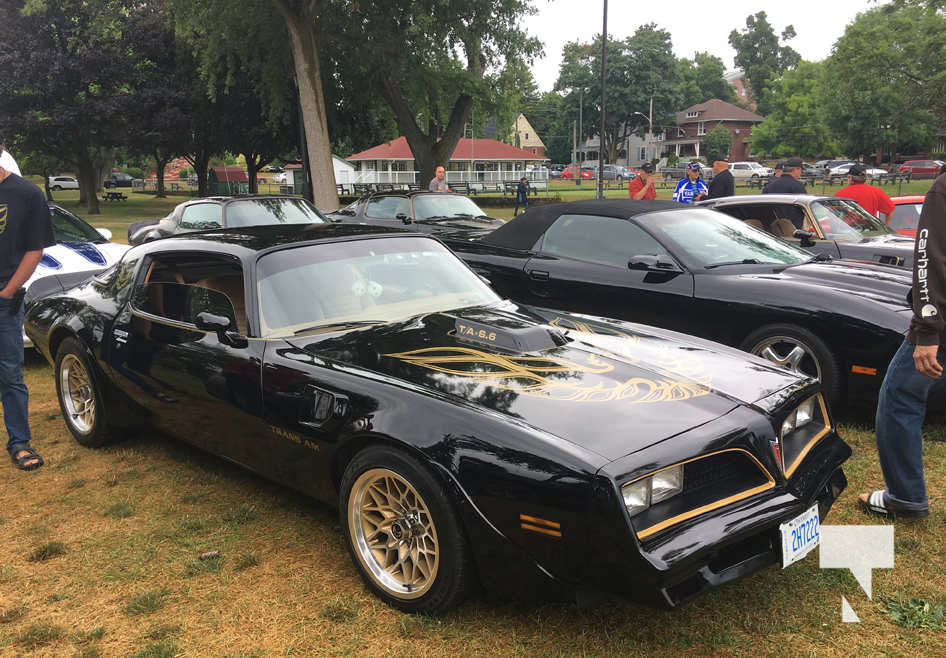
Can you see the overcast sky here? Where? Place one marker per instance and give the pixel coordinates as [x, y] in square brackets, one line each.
[693, 25]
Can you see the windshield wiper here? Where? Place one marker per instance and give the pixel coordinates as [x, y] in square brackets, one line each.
[820, 258]
[744, 261]
[338, 325]
[468, 215]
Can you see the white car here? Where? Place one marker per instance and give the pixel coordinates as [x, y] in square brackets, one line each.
[80, 252]
[57, 183]
[841, 170]
[280, 177]
[748, 170]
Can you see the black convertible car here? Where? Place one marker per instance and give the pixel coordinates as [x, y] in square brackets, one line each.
[225, 212]
[828, 225]
[464, 437]
[426, 212]
[704, 273]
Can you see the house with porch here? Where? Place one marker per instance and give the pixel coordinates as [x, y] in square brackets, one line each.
[473, 161]
[697, 121]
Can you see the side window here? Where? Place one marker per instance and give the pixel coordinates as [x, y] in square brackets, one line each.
[906, 216]
[202, 216]
[179, 286]
[607, 240]
[387, 207]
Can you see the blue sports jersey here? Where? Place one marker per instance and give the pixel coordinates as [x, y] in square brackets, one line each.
[685, 190]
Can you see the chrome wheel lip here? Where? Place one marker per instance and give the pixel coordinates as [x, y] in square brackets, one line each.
[773, 349]
[402, 516]
[77, 394]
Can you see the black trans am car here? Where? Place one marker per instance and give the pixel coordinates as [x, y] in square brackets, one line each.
[426, 212]
[225, 212]
[704, 273]
[828, 225]
[462, 436]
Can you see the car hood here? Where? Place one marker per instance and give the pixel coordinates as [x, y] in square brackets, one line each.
[609, 387]
[883, 284]
[67, 256]
[872, 248]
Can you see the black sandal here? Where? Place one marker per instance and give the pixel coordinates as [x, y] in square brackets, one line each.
[30, 455]
[876, 503]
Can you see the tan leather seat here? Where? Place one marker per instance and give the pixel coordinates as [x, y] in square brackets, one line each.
[232, 287]
[755, 223]
[782, 227]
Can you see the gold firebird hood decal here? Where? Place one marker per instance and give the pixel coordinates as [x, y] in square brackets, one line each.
[552, 377]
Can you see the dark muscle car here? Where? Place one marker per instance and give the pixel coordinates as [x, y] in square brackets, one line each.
[462, 436]
[828, 225]
[225, 212]
[425, 212]
[704, 273]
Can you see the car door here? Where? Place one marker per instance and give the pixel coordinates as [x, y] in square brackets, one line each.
[583, 264]
[388, 210]
[201, 387]
[782, 220]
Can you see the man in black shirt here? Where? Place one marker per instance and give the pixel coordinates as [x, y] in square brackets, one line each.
[788, 182]
[25, 229]
[722, 183]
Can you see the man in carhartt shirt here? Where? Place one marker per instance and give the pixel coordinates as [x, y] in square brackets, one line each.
[439, 182]
[25, 229]
[914, 369]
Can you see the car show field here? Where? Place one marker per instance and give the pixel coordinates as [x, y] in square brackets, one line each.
[150, 547]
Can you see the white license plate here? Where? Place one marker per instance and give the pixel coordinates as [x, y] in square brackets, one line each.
[800, 535]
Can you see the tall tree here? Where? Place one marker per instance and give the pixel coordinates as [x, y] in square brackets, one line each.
[796, 123]
[882, 90]
[65, 86]
[702, 79]
[762, 56]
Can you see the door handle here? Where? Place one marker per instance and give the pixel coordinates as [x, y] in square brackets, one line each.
[539, 275]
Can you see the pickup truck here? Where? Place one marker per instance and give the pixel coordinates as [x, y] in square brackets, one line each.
[118, 180]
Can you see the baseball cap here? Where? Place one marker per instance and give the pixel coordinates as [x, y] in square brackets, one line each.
[793, 163]
[647, 168]
[857, 170]
[720, 158]
[695, 166]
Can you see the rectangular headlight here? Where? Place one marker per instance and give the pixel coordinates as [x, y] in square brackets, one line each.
[666, 483]
[637, 496]
[805, 412]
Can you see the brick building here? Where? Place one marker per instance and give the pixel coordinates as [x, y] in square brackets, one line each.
[697, 121]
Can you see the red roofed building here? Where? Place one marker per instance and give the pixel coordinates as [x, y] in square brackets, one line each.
[483, 160]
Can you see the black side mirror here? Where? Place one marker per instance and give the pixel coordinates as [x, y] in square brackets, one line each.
[403, 217]
[220, 325]
[649, 263]
[805, 237]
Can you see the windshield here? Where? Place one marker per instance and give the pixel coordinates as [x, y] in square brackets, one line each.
[444, 205]
[256, 212]
[69, 228]
[709, 238]
[383, 280]
[843, 219]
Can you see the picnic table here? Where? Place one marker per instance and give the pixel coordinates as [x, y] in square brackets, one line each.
[114, 196]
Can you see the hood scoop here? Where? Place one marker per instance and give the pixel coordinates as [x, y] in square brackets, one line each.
[513, 337]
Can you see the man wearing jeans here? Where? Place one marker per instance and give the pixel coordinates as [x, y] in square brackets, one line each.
[914, 370]
[25, 229]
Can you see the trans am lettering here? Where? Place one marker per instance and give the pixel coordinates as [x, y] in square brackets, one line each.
[295, 438]
[465, 330]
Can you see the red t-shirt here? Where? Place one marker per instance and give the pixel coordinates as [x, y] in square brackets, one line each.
[871, 198]
[636, 185]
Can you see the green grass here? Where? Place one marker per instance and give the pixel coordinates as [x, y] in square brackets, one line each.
[147, 603]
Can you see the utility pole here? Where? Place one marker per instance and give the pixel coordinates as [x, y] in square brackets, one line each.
[604, 50]
[574, 146]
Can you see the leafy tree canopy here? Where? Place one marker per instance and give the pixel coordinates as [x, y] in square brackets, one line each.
[882, 89]
[718, 140]
[761, 56]
[796, 123]
[701, 79]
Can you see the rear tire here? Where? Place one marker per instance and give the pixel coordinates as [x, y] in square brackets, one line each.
[56, 188]
[403, 533]
[798, 350]
[80, 397]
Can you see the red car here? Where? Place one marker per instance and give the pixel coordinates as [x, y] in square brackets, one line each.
[907, 214]
[569, 172]
[921, 168]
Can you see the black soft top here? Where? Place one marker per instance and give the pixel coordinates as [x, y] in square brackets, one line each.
[523, 231]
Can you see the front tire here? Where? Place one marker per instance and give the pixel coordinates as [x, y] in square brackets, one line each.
[800, 351]
[56, 188]
[80, 397]
[403, 533]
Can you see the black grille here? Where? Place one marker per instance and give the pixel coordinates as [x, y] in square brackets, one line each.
[721, 471]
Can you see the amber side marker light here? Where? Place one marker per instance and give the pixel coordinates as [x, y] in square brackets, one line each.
[536, 524]
[863, 370]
